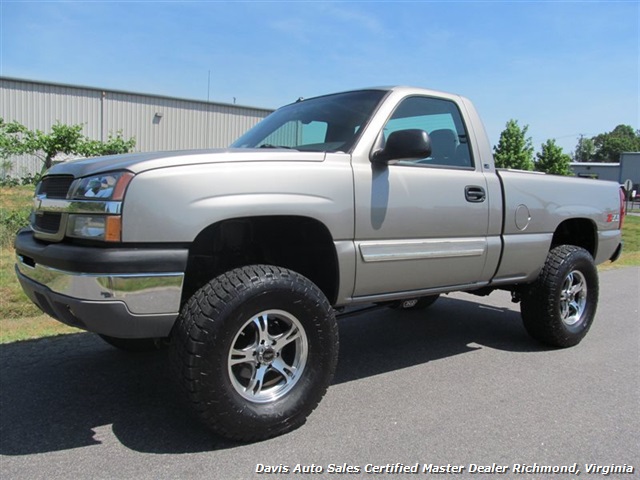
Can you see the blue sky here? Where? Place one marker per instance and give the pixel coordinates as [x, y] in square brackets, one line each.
[562, 67]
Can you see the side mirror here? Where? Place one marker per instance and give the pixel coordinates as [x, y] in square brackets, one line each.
[403, 145]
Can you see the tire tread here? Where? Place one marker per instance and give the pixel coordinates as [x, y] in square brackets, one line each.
[540, 307]
[196, 330]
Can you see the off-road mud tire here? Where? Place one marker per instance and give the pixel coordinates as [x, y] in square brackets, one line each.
[559, 307]
[232, 313]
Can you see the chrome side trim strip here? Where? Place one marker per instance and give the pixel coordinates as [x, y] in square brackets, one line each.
[151, 293]
[395, 250]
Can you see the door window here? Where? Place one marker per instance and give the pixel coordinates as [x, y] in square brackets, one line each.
[441, 119]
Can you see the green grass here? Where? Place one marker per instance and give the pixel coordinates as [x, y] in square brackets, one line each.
[631, 238]
[21, 320]
[13, 198]
[14, 214]
[27, 328]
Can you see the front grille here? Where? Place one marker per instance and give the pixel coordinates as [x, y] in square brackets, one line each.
[55, 186]
[48, 222]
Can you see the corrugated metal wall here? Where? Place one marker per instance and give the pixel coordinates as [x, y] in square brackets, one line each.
[157, 123]
[601, 171]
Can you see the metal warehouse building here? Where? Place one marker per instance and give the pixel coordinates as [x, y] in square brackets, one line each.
[627, 169]
[156, 122]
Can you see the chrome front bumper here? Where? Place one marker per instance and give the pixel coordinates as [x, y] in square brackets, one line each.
[113, 299]
[125, 306]
[143, 294]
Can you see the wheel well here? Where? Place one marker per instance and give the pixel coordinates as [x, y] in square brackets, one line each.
[300, 244]
[580, 232]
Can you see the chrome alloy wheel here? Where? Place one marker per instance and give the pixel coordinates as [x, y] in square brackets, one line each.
[573, 298]
[268, 356]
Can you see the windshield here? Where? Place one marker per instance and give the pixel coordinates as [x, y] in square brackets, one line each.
[329, 123]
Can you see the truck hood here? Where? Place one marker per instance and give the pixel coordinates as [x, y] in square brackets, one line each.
[140, 162]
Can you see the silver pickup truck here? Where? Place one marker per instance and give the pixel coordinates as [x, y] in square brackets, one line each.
[241, 258]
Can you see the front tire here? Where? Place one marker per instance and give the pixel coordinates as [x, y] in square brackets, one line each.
[559, 308]
[255, 350]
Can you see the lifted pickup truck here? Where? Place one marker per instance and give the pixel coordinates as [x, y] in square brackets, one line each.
[242, 257]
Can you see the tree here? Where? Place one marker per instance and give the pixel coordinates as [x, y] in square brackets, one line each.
[585, 150]
[113, 146]
[65, 139]
[11, 142]
[514, 149]
[552, 159]
[16, 139]
[610, 145]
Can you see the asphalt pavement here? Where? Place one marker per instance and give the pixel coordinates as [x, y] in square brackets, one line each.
[458, 385]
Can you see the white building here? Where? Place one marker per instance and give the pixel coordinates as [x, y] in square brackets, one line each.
[627, 169]
[157, 122]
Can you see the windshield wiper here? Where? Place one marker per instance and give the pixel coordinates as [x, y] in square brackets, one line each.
[268, 145]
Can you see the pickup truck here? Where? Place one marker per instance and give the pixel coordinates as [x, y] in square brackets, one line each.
[241, 259]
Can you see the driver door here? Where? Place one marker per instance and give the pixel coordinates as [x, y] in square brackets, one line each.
[422, 224]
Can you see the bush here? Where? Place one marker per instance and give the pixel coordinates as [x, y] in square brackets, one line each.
[10, 222]
[28, 179]
[9, 181]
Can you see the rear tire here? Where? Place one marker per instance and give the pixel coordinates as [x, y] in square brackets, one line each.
[559, 308]
[255, 350]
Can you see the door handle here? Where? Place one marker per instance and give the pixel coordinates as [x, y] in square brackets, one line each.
[474, 194]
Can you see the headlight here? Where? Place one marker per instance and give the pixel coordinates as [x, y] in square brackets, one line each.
[107, 186]
[99, 199]
[95, 227]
